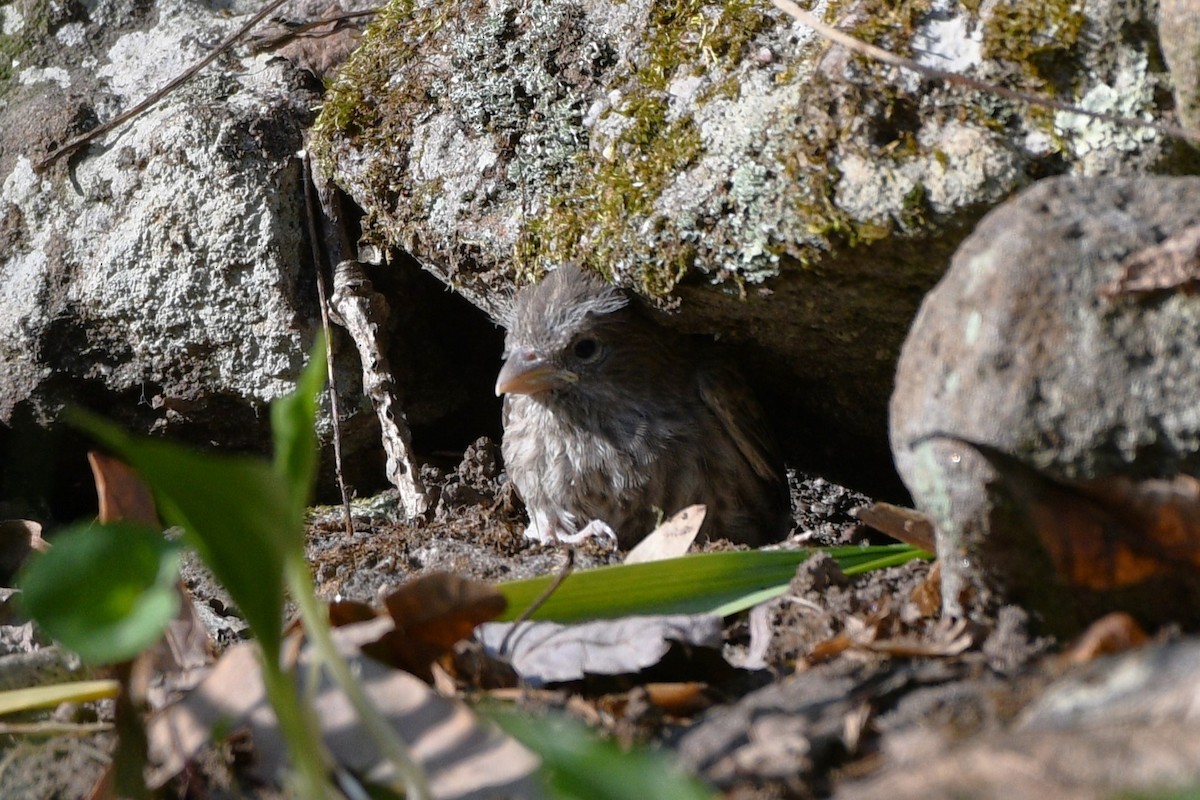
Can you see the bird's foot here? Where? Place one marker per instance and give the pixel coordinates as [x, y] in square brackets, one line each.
[596, 529]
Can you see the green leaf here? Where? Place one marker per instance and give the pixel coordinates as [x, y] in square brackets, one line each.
[104, 591]
[293, 424]
[27, 699]
[236, 511]
[578, 764]
[722, 583]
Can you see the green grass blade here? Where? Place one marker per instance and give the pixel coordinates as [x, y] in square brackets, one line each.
[709, 582]
[15, 700]
[293, 425]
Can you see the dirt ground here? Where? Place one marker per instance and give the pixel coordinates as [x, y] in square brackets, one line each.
[850, 668]
[850, 687]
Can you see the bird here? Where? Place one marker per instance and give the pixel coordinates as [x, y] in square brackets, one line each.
[612, 422]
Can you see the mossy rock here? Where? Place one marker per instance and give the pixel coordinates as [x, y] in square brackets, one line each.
[727, 164]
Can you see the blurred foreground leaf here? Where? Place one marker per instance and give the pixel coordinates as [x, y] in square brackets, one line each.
[104, 591]
[233, 508]
[579, 765]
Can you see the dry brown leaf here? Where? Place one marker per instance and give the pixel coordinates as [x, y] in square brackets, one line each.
[472, 666]
[679, 699]
[867, 635]
[122, 494]
[670, 539]
[856, 633]
[823, 651]
[951, 641]
[319, 46]
[927, 596]
[347, 612]
[902, 524]
[1112, 633]
[462, 758]
[1172, 264]
[1106, 533]
[431, 614]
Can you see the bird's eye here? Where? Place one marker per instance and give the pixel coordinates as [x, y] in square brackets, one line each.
[586, 349]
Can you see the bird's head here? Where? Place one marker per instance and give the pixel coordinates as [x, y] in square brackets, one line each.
[562, 333]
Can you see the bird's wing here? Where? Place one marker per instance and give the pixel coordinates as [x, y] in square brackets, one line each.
[727, 396]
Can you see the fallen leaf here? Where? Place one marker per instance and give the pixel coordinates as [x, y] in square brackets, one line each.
[1112, 633]
[902, 524]
[1105, 533]
[463, 759]
[319, 46]
[122, 494]
[549, 652]
[953, 640]
[824, 651]
[679, 699]
[347, 612]
[430, 615]
[927, 596]
[670, 539]
[474, 667]
[1173, 263]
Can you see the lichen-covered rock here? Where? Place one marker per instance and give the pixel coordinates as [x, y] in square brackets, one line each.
[1019, 348]
[162, 264]
[1179, 35]
[720, 143]
[162, 274]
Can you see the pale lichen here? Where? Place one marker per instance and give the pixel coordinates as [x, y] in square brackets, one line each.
[649, 140]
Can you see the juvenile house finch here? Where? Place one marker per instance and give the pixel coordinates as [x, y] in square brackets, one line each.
[613, 423]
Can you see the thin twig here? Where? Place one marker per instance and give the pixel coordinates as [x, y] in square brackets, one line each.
[540, 600]
[311, 205]
[879, 54]
[302, 30]
[73, 144]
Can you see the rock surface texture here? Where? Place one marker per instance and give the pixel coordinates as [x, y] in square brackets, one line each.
[162, 275]
[1019, 348]
[795, 199]
[163, 265]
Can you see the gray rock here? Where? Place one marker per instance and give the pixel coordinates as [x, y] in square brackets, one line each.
[1179, 36]
[163, 264]
[1018, 349]
[162, 275]
[1122, 726]
[806, 197]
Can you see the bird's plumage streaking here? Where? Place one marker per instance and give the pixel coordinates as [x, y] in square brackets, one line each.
[610, 418]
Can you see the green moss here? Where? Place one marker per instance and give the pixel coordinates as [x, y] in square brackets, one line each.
[889, 24]
[599, 191]
[360, 97]
[1040, 39]
[37, 18]
[592, 219]
[591, 224]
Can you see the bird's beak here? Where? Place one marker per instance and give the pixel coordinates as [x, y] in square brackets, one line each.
[526, 372]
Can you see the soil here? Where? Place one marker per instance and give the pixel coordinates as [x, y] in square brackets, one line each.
[850, 668]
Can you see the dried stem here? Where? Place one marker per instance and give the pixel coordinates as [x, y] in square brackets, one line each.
[311, 205]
